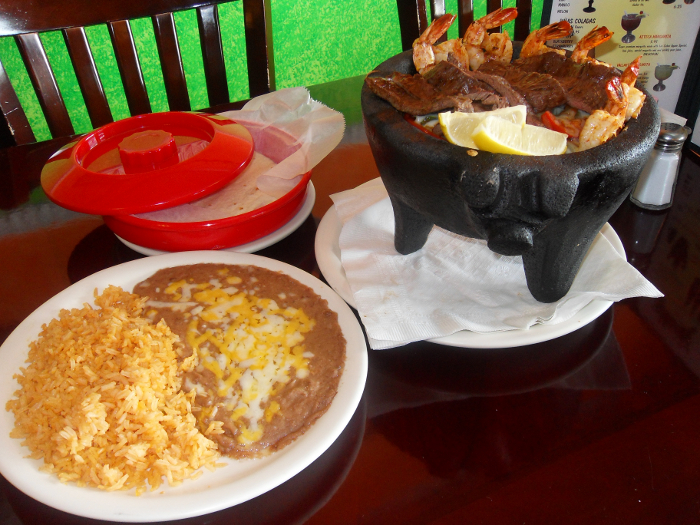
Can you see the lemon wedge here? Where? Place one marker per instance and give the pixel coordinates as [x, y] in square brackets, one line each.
[500, 136]
[459, 127]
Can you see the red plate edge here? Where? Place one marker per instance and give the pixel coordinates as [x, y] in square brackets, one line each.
[217, 234]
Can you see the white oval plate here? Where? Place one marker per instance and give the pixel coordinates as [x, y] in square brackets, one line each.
[235, 483]
[258, 244]
[328, 259]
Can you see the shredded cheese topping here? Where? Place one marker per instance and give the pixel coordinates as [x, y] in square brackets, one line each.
[250, 344]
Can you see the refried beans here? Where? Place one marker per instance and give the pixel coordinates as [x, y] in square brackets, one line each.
[264, 352]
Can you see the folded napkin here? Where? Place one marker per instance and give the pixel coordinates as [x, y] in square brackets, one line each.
[454, 283]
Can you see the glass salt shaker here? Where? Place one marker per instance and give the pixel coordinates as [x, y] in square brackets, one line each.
[657, 182]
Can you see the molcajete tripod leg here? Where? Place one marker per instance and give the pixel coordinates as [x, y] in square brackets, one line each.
[554, 260]
[411, 228]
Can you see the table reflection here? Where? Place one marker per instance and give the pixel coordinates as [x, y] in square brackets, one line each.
[423, 373]
[491, 434]
[641, 230]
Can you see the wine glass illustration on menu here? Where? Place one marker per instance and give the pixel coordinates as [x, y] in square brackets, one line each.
[590, 8]
[630, 22]
[663, 72]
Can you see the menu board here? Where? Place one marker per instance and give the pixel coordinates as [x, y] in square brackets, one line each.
[662, 32]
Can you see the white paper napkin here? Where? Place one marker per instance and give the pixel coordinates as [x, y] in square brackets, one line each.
[454, 283]
[668, 116]
[311, 131]
[316, 128]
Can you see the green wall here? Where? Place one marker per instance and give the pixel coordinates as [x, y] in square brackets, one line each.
[314, 41]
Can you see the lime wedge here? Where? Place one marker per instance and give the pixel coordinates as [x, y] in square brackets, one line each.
[459, 127]
[500, 136]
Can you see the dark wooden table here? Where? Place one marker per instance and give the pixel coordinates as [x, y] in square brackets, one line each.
[599, 426]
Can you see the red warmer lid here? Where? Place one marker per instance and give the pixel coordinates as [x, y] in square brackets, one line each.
[147, 163]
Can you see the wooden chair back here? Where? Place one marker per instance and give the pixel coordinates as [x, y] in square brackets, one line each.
[413, 17]
[26, 20]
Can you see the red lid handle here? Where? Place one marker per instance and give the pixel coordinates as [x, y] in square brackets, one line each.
[147, 151]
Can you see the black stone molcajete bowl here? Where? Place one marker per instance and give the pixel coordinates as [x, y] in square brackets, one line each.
[547, 209]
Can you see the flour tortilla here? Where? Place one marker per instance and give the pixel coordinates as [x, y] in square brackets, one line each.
[240, 196]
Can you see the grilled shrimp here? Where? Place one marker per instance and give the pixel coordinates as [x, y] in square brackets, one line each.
[603, 124]
[472, 50]
[477, 30]
[498, 46]
[624, 102]
[631, 72]
[635, 98]
[593, 38]
[535, 43]
[480, 44]
[423, 48]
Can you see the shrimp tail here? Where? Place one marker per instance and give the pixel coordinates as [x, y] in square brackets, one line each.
[499, 17]
[535, 42]
[477, 30]
[593, 38]
[559, 29]
[423, 51]
[436, 29]
[603, 124]
[635, 97]
[630, 74]
[478, 43]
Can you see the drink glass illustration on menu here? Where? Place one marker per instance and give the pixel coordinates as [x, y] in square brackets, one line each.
[663, 72]
[590, 8]
[630, 22]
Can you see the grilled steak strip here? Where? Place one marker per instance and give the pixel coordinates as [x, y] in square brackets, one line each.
[412, 94]
[583, 84]
[453, 80]
[503, 88]
[540, 90]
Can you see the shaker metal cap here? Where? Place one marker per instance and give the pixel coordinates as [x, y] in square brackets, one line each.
[672, 136]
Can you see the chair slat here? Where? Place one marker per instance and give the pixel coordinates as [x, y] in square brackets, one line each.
[259, 50]
[38, 16]
[88, 78]
[493, 5]
[171, 62]
[213, 55]
[44, 82]
[17, 124]
[129, 68]
[412, 20]
[437, 9]
[465, 15]
[522, 23]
